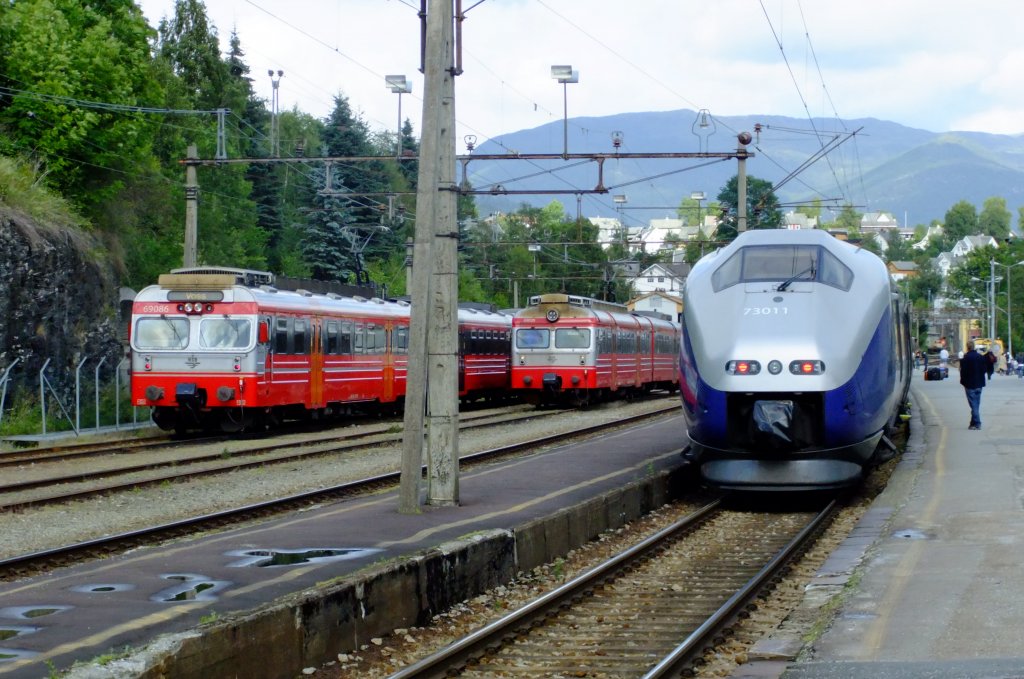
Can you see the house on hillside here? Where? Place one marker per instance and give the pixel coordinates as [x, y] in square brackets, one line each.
[662, 278]
[609, 229]
[661, 302]
[900, 269]
[969, 243]
[934, 231]
[944, 262]
[797, 221]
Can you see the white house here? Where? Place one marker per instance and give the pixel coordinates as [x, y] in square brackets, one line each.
[968, 243]
[662, 278]
[661, 302]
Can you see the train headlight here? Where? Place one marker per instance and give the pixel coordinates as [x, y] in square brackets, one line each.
[148, 362]
[238, 364]
[807, 367]
[743, 367]
[775, 367]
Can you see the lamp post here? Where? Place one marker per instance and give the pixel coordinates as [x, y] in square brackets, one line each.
[620, 200]
[698, 196]
[275, 130]
[1009, 317]
[564, 74]
[399, 85]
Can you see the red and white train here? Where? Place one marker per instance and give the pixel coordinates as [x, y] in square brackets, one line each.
[571, 349]
[222, 349]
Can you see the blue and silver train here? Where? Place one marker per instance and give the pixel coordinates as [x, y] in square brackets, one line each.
[795, 361]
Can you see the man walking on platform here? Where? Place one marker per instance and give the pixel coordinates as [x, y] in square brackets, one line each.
[974, 368]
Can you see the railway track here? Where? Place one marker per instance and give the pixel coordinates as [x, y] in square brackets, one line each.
[649, 611]
[32, 563]
[199, 460]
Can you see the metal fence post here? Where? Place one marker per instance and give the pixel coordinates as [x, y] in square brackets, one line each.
[117, 392]
[4, 381]
[42, 393]
[96, 386]
[78, 408]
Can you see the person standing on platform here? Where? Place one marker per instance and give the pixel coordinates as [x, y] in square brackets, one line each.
[973, 371]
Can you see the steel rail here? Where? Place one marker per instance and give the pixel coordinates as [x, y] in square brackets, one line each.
[17, 566]
[438, 664]
[683, 654]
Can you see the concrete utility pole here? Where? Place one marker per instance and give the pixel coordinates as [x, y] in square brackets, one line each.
[191, 210]
[433, 363]
[741, 181]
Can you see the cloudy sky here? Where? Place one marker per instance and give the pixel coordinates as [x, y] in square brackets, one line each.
[938, 65]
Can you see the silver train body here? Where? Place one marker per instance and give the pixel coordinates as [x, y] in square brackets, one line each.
[795, 361]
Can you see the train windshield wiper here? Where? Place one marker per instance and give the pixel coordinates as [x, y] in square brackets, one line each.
[785, 284]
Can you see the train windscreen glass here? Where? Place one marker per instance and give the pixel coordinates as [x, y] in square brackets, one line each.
[161, 333]
[533, 338]
[572, 338]
[225, 333]
[783, 263]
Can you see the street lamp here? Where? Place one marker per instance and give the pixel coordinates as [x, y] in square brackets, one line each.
[399, 85]
[620, 200]
[275, 125]
[564, 74]
[698, 196]
[1009, 318]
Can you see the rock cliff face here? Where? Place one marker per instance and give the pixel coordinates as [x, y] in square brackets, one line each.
[58, 301]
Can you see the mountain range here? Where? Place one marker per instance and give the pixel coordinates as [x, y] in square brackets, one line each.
[874, 165]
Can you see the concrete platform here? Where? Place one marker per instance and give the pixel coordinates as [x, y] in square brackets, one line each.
[204, 607]
[931, 583]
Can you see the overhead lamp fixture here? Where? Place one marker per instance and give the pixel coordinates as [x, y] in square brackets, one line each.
[400, 85]
[564, 74]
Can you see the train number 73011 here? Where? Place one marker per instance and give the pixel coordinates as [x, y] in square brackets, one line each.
[765, 311]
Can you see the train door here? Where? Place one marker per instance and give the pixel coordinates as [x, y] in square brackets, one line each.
[264, 366]
[464, 348]
[316, 363]
[387, 389]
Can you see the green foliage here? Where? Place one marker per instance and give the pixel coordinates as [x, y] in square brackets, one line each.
[762, 207]
[961, 220]
[21, 188]
[994, 219]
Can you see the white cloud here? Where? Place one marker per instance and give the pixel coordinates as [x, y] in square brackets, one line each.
[932, 64]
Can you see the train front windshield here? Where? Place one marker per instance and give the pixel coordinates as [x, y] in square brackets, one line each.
[225, 333]
[785, 263]
[173, 333]
[161, 333]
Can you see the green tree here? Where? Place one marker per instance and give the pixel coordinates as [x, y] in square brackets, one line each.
[961, 220]
[994, 219]
[762, 207]
[848, 219]
[77, 69]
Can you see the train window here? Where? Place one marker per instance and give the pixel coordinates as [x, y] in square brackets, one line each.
[301, 337]
[572, 338]
[400, 340]
[225, 333]
[783, 263]
[375, 339]
[345, 343]
[359, 339]
[533, 338]
[281, 336]
[161, 333]
[331, 338]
